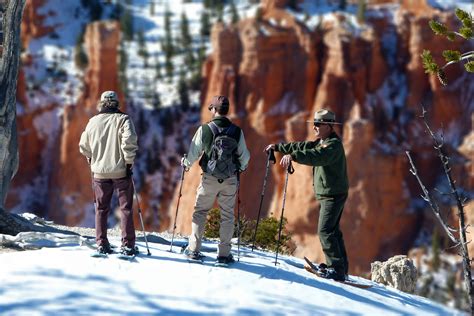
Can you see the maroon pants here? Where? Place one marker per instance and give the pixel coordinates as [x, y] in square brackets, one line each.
[103, 189]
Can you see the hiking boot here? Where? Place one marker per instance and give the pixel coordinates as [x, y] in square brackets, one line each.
[104, 249]
[333, 274]
[225, 259]
[127, 251]
[193, 255]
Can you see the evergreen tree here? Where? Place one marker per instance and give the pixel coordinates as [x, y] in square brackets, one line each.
[158, 69]
[293, 4]
[156, 101]
[80, 57]
[361, 8]
[220, 11]
[167, 46]
[183, 90]
[342, 4]
[185, 35]
[205, 24]
[234, 13]
[123, 61]
[435, 245]
[466, 31]
[152, 7]
[142, 49]
[126, 24]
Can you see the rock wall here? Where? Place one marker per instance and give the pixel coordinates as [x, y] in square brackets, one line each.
[277, 72]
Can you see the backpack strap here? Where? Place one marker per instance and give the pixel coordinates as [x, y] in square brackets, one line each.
[214, 129]
[231, 130]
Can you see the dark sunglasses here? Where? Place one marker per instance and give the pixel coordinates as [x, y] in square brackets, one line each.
[319, 124]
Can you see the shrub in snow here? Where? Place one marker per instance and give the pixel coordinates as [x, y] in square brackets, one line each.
[398, 272]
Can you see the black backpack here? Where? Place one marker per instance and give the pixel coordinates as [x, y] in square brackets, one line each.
[222, 162]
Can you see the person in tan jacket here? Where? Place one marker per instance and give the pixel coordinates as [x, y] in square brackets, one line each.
[109, 143]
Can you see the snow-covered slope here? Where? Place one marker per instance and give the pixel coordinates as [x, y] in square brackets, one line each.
[67, 281]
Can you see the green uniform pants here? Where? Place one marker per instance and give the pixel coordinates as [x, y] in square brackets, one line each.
[329, 233]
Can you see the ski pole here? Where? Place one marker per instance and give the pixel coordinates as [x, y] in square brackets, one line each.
[141, 218]
[289, 170]
[177, 205]
[271, 157]
[238, 215]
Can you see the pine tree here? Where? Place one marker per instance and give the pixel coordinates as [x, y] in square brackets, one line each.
[342, 4]
[361, 8]
[167, 46]
[80, 57]
[435, 249]
[158, 74]
[142, 49]
[185, 35]
[126, 24]
[466, 31]
[183, 90]
[152, 7]
[220, 12]
[123, 61]
[234, 13]
[205, 24]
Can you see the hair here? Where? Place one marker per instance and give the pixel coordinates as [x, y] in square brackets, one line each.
[107, 104]
[222, 109]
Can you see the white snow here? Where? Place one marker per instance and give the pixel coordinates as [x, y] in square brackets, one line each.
[67, 281]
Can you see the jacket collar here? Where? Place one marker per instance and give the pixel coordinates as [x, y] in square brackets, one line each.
[108, 110]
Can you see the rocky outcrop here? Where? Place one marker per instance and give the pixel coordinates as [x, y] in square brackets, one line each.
[71, 195]
[398, 272]
[374, 81]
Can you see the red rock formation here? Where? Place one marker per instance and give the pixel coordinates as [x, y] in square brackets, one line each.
[32, 25]
[72, 194]
[273, 99]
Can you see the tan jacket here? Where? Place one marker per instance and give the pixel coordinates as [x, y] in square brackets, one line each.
[110, 141]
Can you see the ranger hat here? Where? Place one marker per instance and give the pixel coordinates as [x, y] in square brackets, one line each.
[109, 96]
[219, 102]
[325, 117]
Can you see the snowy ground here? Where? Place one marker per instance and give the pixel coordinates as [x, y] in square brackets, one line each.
[67, 281]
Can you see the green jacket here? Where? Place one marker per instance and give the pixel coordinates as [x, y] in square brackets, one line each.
[328, 160]
[202, 141]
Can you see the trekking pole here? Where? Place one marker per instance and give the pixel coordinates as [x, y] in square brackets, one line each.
[289, 170]
[238, 215]
[177, 205]
[141, 218]
[271, 157]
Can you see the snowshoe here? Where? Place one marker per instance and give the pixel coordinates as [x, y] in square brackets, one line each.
[102, 251]
[127, 253]
[193, 256]
[224, 261]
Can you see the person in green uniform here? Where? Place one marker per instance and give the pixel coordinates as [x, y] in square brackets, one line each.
[327, 157]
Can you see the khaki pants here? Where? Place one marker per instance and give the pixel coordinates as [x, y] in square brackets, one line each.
[209, 189]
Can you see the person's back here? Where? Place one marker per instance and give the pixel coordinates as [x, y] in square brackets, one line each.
[109, 143]
[216, 184]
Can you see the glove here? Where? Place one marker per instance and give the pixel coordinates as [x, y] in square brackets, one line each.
[183, 164]
[129, 171]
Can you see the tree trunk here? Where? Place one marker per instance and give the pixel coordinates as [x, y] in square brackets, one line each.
[9, 64]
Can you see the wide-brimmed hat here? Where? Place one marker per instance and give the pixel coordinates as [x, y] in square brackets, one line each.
[325, 117]
[219, 102]
[109, 96]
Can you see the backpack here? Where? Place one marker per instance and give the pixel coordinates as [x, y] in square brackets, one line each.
[222, 162]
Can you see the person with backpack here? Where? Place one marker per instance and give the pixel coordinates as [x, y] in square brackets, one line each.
[109, 143]
[330, 183]
[223, 154]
